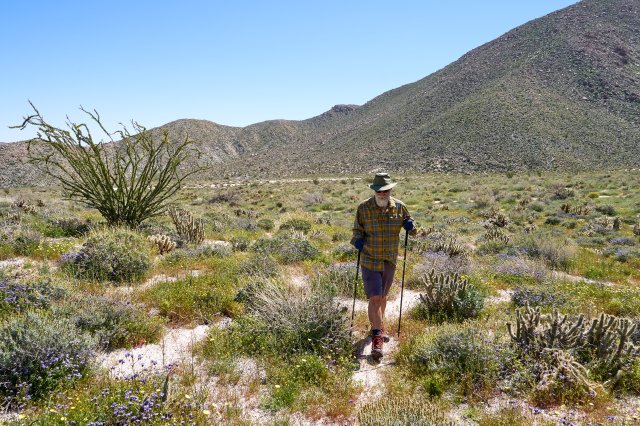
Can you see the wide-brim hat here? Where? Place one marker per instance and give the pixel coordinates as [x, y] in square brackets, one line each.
[382, 182]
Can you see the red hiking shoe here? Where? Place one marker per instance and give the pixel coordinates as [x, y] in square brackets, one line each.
[376, 347]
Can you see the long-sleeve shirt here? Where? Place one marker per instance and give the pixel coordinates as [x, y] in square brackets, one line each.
[379, 228]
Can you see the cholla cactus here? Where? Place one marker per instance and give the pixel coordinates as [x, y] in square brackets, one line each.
[636, 229]
[450, 246]
[582, 210]
[449, 296]
[498, 219]
[526, 326]
[565, 370]
[496, 234]
[609, 337]
[537, 331]
[162, 243]
[25, 206]
[192, 230]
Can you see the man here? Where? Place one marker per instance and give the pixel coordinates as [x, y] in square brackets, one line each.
[376, 229]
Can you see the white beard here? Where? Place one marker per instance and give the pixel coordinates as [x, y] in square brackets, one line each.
[382, 202]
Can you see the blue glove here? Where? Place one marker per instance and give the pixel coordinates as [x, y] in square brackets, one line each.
[359, 244]
[408, 225]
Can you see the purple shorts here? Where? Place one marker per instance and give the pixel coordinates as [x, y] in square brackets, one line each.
[378, 283]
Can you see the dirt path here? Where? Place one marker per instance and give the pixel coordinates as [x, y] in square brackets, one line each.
[370, 373]
[559, 275]
[175, 347]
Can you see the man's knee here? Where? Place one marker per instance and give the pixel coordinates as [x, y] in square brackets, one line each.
[377, 299]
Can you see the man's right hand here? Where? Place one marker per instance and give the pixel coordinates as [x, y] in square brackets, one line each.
[359, 244]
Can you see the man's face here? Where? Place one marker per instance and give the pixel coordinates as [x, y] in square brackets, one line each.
[382, 197]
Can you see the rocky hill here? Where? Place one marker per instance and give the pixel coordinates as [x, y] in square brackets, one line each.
[559, 92]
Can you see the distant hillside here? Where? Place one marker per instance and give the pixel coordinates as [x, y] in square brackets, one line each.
[560, 92]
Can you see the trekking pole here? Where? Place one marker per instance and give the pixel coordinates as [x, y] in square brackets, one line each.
[355, 291]
[404, 266]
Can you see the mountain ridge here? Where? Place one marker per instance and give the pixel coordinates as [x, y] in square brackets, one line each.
[559, 92]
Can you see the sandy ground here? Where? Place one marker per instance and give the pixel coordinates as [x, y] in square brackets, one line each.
[175, 347]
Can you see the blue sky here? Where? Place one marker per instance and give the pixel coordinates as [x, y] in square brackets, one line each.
[232, 62]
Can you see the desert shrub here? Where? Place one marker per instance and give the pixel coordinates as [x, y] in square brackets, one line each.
[21, 295]
[67, 227]
[210, 249]
[296, 225]
[339, 280]
[126, 185]
[544, 296]
[260, 265]
[556, 252]
[493, 246]
[623, 241]
[344, 251]
[114, 324]
[266, 224]
[442, 263]
[447, 298]
[559, 192]
[287, 249]
[460, 356]
[536, 206]
[149, 400]
[297, 321]
[388, 411]
[39, 354]
[115, 254]
[606, 209]
[516, 270]
[291, 376]
[195, 299]
[239, 243]
[26, 242]
[621, 254]
[553, 220]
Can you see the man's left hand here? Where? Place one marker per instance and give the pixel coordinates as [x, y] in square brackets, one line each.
[408, 225]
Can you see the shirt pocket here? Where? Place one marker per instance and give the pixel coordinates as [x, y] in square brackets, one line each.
[396, 220]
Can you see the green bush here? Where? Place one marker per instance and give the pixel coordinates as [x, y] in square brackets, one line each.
[66, 227]
[556, 252]
[21, 295]
[260, 265]
[136, 400]
[286, 249]
[113, 324]
[464, 356]
[26, 242]
[115, 254]
[301, 225]
[298, 321]
[194, 299]
[289, 377]
[344, 252]
[339, 280]
[266, 224]
[39, 354]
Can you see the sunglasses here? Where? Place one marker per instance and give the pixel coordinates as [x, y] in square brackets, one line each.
[383, 192]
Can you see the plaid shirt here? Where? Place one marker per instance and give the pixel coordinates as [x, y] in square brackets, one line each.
[379, 228]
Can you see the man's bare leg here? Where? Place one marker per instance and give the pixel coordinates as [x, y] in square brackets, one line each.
[375, 311]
